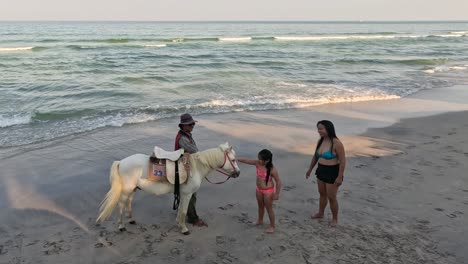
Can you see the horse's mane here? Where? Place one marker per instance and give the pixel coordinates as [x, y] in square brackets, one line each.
[208, 157]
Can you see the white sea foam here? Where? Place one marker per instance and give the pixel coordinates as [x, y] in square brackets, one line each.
[291, 84]
[239, 39]
[318, 38]
[291, 102]
[16, 119]
[15, 49]
[155, 45]
[446, 69]
[450, 35]
[361, 37]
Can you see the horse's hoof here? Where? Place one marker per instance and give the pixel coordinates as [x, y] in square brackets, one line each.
[132, 222]
[122, 229]
[186, 233]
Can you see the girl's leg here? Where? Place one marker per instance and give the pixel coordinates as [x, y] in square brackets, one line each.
[268, 200]
[322, 189]
[332, 190]
[261, 208]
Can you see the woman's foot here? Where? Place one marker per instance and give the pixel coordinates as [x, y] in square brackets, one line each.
[259, 223]
[200, 223]
[270, 230]
[317, 216]
[334, 223]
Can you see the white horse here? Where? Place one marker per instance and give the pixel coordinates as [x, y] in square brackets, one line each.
[129, 174]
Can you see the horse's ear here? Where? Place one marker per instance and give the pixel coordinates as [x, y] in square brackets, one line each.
[225, 147]
[228, 146]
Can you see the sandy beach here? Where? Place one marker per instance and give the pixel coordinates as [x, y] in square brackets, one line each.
[404, 198]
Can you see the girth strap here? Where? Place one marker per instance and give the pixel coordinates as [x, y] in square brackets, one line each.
[175, 206]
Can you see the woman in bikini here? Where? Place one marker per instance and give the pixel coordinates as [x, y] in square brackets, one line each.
[330, 156]
[267, 180]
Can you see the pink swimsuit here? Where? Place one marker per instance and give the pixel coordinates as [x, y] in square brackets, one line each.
[261, 174]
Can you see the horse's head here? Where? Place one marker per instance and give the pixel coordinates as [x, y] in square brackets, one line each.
[230, 162]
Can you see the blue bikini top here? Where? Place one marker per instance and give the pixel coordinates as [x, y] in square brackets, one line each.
[328, 155]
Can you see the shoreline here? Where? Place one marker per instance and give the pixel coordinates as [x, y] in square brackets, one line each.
[445, 99]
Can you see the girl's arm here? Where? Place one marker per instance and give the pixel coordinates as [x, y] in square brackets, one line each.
[313, 162]
[275, 176]
[340, 152]
[247, 161]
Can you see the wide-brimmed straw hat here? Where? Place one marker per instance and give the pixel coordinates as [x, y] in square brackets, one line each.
[186, 119]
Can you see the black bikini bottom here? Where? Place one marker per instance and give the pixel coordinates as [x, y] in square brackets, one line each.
[327, 173]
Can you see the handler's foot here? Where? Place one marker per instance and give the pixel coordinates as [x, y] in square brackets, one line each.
[317, 216]
[200, 223]
[270, 230]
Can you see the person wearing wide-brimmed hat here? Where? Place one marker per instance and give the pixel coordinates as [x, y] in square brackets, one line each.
[185, 141]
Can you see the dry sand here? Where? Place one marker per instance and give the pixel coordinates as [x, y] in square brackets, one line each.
[404, 197]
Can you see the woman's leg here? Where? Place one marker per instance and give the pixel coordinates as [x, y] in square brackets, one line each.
[332, 190]
[261, 208]
[268, 200]
[322, 189]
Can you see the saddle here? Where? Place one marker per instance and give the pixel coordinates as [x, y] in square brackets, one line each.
[162, 166]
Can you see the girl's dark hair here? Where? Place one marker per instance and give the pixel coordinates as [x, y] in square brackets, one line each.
[265, 155]
[330, 128]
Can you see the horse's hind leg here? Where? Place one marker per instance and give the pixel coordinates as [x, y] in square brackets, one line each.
[129, 209]
[122, 203]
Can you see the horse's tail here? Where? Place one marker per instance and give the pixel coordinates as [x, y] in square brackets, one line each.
[113, 196]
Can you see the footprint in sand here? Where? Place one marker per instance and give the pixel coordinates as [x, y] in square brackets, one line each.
[220, 240]
[288, 188]
[435, 137]
[360, 166]
[32, 243]
[98, 245]
[3, 250]
[55, 247]
[439, 209]
[411, 147]
[455, 214]
[244, 218]
[175, 251]
[226, 207]
[225, 257]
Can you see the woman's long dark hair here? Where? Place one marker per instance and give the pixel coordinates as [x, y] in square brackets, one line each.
[265, 155]
[330, 128]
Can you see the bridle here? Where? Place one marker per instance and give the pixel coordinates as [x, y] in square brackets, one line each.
[222, 171]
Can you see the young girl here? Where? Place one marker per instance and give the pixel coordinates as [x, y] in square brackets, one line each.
[267, 178]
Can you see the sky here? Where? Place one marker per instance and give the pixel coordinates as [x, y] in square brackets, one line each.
[232, 10]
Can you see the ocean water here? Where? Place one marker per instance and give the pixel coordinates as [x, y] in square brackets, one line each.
[63, 78]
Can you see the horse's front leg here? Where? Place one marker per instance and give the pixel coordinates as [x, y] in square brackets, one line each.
[182, 213]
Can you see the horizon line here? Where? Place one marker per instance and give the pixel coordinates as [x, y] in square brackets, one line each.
[224, 21]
